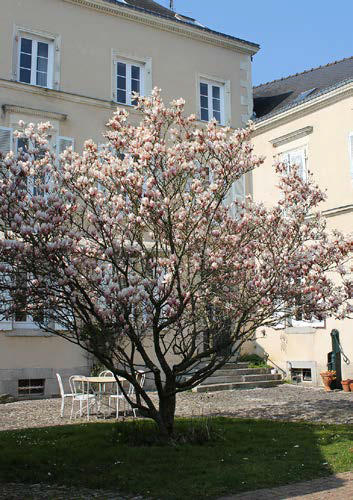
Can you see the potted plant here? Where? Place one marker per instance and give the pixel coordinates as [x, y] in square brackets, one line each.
[346, 384]
[327, 378]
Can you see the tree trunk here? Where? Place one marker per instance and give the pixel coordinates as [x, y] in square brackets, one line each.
[166, 415]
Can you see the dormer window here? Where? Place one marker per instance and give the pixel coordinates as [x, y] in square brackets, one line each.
[304, 95]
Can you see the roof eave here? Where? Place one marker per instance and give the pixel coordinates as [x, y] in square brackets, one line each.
[165, 23]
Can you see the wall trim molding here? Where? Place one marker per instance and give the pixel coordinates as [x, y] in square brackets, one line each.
[292, 136]
[304, 109]
[52, 115]
[60, 95]
[165, 24]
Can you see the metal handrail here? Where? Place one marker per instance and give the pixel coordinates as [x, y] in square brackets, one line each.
[267, 356]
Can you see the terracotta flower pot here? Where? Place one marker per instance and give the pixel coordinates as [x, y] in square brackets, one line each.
[327, 379]
[351, 385]
[346, 384]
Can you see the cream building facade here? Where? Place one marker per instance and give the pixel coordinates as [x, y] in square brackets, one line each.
[71, 62]
[307, 119]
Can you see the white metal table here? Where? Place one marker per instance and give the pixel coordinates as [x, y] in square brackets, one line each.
[100, 381]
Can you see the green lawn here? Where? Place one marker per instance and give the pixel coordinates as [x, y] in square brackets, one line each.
[245, 455]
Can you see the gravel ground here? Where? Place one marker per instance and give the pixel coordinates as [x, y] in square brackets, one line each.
[284, 402]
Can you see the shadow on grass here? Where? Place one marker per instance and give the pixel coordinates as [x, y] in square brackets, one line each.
[313, 410]
[241, 455]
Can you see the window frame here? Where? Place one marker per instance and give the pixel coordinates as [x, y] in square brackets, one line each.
[145, 64]
[210, 84]
[34, 58]
[303, 151]
[54, 55]
[128, 78]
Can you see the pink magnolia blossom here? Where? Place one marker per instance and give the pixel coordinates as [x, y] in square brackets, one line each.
[135, 252]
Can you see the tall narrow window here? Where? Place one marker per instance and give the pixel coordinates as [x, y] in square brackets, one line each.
[129, 79]
[212, 101]
[35, 61]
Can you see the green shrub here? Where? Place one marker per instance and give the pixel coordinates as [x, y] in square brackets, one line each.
[254, 360]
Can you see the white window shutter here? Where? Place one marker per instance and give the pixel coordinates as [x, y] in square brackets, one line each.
[5, 324]
[351, 153]
[5, 139]
[285, 159]
[237, 193]
[63, 143]
[239, 189]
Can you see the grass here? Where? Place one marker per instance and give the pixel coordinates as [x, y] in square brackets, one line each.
[244, 455]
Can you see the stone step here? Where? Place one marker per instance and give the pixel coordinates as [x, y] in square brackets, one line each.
[241, 371]
[237, 385]
[231, 365]
[234, 377]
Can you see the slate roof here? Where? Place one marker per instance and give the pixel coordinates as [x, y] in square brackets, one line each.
[276, 96]
[151, 7]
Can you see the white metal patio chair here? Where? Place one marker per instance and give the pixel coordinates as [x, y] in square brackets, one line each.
[79, 388]
[119, 396]
[107, 387]
[63, 394]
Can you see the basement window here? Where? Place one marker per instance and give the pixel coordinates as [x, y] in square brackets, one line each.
[301, 375]
[31, 387]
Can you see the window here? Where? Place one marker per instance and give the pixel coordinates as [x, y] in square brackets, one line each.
[129, 79]
[301, 375]
[31, 387]
[35, 60]
[22, 320]
[211, 101]
[63, 143]
[34, 183]
[304, 95]
[296, 157]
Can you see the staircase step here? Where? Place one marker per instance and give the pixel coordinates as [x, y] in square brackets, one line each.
[237, 385]
[242, 371]
[233, 365]
[217, 378]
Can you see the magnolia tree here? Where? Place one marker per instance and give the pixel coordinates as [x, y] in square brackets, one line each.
[134, 251]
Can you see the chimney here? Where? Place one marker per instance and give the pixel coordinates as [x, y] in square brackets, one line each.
[171, 4]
